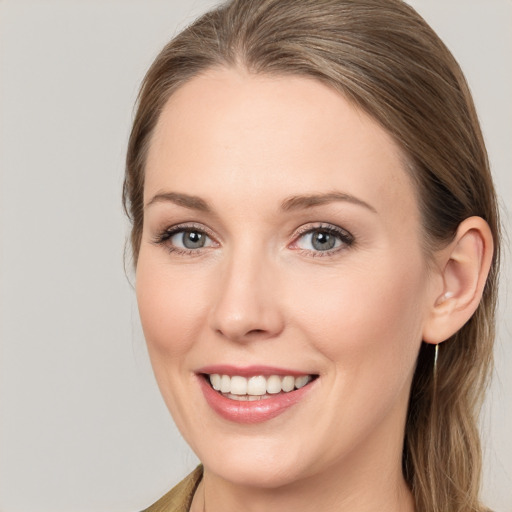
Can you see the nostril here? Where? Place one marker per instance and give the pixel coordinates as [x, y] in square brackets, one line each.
[257, 334]
[252, 333]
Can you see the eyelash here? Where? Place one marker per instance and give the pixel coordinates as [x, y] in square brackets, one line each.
[346, 238]
[164, 237]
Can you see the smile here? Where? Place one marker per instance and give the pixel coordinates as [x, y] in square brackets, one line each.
[255, 394]
[258, 387]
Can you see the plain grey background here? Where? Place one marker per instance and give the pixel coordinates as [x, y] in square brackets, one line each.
[82, 424]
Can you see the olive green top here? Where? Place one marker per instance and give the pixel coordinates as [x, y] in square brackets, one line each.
[179, 498]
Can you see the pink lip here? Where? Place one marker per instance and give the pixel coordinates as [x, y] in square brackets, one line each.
[251, 412]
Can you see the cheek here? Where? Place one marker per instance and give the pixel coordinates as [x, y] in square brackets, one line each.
[172, 308]
[366, 316]
[171, 305]
[367, 324]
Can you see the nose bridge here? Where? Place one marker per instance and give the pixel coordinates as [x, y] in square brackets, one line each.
[247, 303]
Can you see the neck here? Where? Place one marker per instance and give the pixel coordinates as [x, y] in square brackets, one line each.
[327, 496]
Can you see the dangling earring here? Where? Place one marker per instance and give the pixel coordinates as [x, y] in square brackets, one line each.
[436, 353]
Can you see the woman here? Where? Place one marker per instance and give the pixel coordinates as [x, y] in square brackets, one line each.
[316, 242]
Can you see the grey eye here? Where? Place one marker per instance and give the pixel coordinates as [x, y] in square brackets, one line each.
[320, 240]
[323, 241]
[190, 239]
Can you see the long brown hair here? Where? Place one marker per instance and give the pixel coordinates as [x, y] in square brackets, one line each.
[381, 55]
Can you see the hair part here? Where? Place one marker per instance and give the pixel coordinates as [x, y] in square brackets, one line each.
[382, 56]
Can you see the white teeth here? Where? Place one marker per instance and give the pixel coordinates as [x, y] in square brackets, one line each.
[225, 384]
[274, 384]
[246, 398]
[257, 385]
[215, 380]
[288, 383]
[255, 388]
[238, 385]
[300, 382]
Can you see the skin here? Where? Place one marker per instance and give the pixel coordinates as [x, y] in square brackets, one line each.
[260, 293]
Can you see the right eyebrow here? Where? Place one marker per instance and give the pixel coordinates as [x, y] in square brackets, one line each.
[309, 201]
[185, 200]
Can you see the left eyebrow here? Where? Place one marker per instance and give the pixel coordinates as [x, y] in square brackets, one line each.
[308, 201]
[185, 200]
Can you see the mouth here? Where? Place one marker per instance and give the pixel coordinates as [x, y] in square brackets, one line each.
[254, 394]
[257, 387]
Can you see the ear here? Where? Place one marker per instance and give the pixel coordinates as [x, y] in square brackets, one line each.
[464, 265]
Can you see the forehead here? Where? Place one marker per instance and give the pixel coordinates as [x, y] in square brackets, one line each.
[228, 131]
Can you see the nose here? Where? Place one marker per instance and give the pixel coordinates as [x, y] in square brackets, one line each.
[247, 302]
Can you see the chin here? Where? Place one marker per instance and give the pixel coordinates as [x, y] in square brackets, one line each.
[254, 472]
[259, 461]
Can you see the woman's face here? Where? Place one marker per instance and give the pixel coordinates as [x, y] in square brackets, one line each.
[281, 239]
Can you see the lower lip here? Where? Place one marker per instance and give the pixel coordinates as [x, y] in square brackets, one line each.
[257, 411]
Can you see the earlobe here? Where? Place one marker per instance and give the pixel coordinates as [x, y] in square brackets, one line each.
[464, 265]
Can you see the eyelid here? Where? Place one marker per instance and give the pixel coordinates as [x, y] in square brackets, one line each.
[187, 226]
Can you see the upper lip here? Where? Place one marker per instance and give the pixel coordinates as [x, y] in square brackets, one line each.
[250, 371]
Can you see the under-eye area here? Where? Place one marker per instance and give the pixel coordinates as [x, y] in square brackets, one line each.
[258, 387]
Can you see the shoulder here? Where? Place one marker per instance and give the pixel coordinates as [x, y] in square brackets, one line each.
[179, 498]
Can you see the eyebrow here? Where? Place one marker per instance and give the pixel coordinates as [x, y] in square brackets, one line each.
[309, 201]
[192, 202]
[289, 204]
